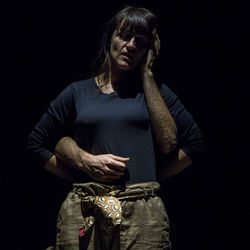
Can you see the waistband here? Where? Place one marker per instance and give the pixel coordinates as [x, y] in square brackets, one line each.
[107, 199]
[124, 192]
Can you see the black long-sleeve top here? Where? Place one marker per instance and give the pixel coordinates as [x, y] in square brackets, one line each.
[110, 123]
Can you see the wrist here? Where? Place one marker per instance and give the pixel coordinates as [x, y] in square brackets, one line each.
[147, 74]
[84, 159]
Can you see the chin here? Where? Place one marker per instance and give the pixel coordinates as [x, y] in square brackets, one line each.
[126, 67]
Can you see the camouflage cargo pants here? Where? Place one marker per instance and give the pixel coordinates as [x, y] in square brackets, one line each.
[83, 223]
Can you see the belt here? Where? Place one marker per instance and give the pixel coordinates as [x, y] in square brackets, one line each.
[107, 199]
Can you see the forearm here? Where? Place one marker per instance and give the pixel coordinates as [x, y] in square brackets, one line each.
[169, 167]
[163, 124]
[70, 153]
[67, 162]
[103, 167]
[56, 167]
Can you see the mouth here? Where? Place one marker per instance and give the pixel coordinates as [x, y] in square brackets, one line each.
[128, 57]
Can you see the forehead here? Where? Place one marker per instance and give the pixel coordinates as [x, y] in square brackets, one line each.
[134, 28]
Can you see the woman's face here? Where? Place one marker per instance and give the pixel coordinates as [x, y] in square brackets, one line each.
[128, 49]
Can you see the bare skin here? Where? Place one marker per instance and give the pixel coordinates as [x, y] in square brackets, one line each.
[104, 167]
[165, 136]
[126, 55]
[163, 124]
[167, 167]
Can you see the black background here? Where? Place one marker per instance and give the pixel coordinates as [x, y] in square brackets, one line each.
[45, 45]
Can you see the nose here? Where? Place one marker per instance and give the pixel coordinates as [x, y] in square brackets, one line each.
[131, 44]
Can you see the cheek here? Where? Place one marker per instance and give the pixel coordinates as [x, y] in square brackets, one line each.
[141, 56]
[115, 47]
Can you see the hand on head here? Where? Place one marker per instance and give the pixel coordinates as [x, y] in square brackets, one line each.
[152, 53]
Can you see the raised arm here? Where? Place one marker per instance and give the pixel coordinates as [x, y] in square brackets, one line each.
[190, 141]
[163, 125]
[178, 137]
[165, 131]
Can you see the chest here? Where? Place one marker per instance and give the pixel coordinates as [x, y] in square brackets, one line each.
[112, 111]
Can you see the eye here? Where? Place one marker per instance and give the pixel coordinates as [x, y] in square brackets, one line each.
[125, 36]
[141, 42]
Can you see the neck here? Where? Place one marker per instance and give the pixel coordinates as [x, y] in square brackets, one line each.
[116, 77]
[118, 81]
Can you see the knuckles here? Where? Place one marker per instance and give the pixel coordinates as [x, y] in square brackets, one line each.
[100, 170]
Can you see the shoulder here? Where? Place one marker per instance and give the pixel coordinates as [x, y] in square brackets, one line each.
[86, 83]
[74, 90]
[82, 86]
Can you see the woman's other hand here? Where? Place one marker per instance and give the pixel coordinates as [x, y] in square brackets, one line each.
[104, 167]
[151, 54]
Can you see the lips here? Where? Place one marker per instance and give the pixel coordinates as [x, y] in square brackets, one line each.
[127, 56]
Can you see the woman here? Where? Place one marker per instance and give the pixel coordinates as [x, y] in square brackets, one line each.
[114, 133]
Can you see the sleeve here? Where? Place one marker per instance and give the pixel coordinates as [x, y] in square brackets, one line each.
[54, 124]
[190, 138]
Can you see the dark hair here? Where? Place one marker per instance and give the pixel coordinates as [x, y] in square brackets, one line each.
[132, 19]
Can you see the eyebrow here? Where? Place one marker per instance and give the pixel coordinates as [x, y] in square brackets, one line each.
[137, 35]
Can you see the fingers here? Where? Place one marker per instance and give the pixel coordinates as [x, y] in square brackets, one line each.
[119, 158]
[110, 171]
[150, 59]
[116, 165]
[155, 43]
[117, 162]
[106, 167]
[107, 173]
